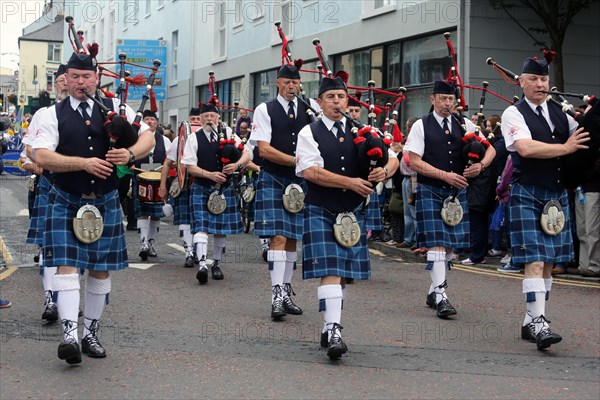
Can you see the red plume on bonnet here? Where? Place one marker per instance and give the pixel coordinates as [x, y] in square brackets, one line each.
[343, 75]
[93, 49]
[298, 63]
[549, 55]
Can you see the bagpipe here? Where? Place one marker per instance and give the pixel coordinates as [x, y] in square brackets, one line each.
[121, 133]
[474, 146]
[580, 163]
[371, 143]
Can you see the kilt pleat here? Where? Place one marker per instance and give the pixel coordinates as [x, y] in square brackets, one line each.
[528, 241]
[323, 256]
[35, 234]
[373, 213]
[62, 248]
[431, 230]
[270, 218]
[227, 223]
[182, 209]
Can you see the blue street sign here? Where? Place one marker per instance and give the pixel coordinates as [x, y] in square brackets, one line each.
[144, 52]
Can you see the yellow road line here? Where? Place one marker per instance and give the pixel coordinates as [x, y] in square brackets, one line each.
[7, 258]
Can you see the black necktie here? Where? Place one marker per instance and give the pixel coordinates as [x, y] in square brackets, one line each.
[340, 129]
[83, 105]
[543, 120]
[291, 112]
[445, 126]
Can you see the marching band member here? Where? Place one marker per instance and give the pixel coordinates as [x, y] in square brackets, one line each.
[328, 161]
[73, 144]
[202, 159]
[35, 233]
[435, 149]
[275, 131]
[539, 134]
[181, 207]
[148, 215]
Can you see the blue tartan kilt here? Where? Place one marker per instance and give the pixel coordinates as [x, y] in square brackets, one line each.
[431, 230]
[229, 222]
[323, 256]
[182, 209]
[143, 209]
[270, 218]
[529, 242]
[373, 213]
[35, 234]
[62, 248]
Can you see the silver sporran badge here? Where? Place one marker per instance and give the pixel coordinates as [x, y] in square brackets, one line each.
[346, 229]
[553, 218]
[248, 194]
[452, 211]
[175, 189]
[88, 225]
[216, 203]
[293, 198]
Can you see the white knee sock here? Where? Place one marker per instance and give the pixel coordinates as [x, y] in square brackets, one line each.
[96, 291]
[437, 260]
[330, 302]
[290, 264]
[535, 296]
[218, 246]
[153, 229]
[188, 239]
[276, 259]
[201, 244]
[144, 227]
[67, 302]
[47, 277]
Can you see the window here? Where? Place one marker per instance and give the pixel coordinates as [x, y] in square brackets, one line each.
[372, 8]
[148, 7]
[285, 12]
[310, 80]
[239, 16]
[256, 9]
[363, 66]
[54, 52]
[265, 86]
[424, 60]
[161, 4]
[174, 44]
[220, 32]
[49, 80]
[101, 39]
[111, 36]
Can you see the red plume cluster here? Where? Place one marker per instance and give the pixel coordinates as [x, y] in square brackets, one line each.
[298, 63]
[230, 153]
[93, 49]
[549, 55]
[372, 149]
[342, 74]
[474, 148]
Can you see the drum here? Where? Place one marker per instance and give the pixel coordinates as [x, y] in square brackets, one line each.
[148, 185]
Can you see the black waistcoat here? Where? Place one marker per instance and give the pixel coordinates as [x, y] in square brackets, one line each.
[80, 140]
[548, 173]
[208, 157]
[284, 135]
[441, 151]
[340, 158]
[159, 154]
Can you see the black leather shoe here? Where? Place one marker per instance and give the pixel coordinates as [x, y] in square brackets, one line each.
[202, 275]
[91, 346]
[290, 307]
[50, 313]
[68, 350]
[430, 300]
[265, 253]
[545, 338]
[189, 262]
[445, 309]
[144, 253]
[528, 332]
[336, 346]
[151, 251]
[277, 309]
[216, 272]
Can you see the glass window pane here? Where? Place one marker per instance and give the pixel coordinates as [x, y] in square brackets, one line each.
[265, 87]
[424, 60]
[394, 66]
[418, 104]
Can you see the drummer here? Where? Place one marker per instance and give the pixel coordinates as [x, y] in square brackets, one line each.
[149, 214]
[181, 209]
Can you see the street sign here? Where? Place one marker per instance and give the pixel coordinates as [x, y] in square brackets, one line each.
[144, 52]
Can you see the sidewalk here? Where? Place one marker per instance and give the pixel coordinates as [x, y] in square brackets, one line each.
[492, 263]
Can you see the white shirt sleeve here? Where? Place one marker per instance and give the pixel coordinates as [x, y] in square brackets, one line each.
[172, 153]
[46, 133]
[307, 151]
[514, 127]
[249, 147]
[261, 125]
[29, 135]
[190, 153]
[416, 139]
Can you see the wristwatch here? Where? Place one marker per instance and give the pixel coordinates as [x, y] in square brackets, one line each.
[131, 159]
[386, 171]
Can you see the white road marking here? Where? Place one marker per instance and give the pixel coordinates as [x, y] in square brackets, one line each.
[141, 265]
[176, 247]
[23, 213]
